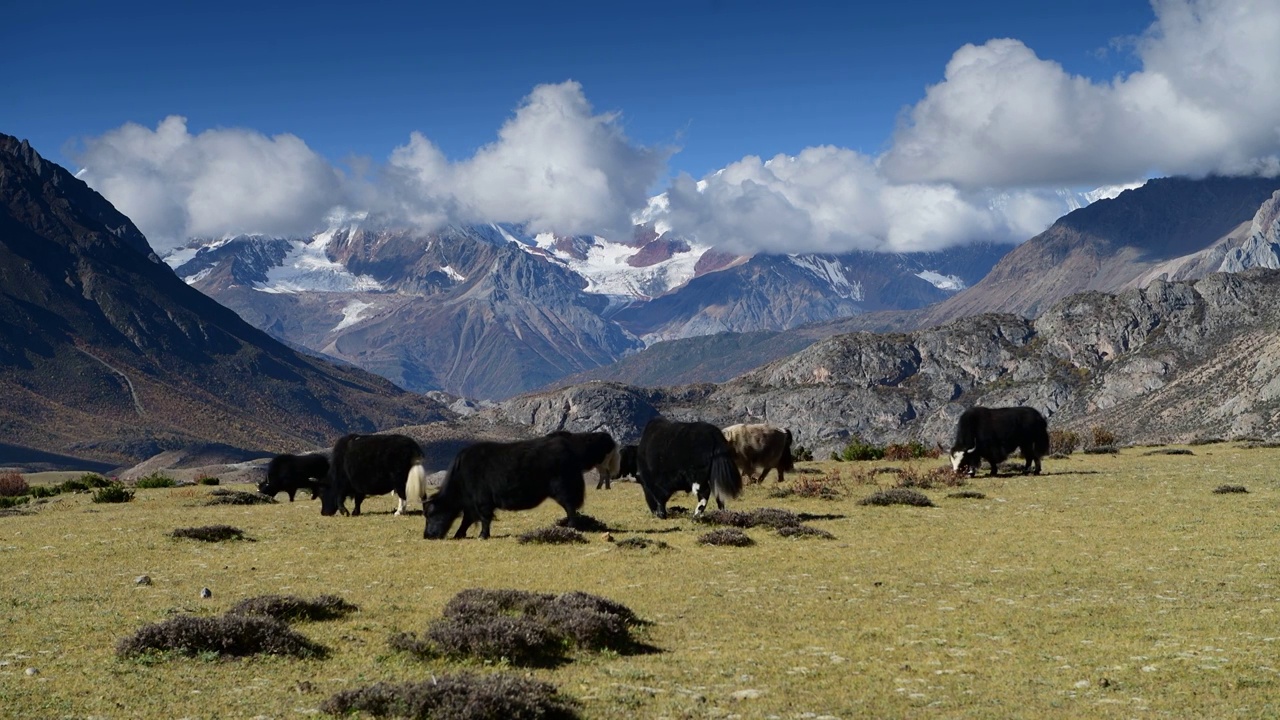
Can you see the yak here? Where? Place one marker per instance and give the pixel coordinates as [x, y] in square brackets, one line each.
[760, 448]
[366, 465]
[290, 473]
[992, 434]
[688, 457]
[489, 476]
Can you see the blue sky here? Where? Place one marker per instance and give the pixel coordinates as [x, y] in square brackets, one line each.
[450, 112]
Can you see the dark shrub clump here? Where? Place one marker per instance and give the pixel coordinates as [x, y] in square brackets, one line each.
[236, 497]
[582, 523]
[462, 696]
[768, 517]
[113, 494]
[726, 536]
[802, 531]
[210, 533]
[154, 480]
[1063, 442]
[11, 502]
[968, 494]
[554, 535]
[1169, 451]
[520, 640]
[228, 635]
[13, 484]
[207, 480]
[897, 496]
[1226, 489]
[641, 543]
[290, 609]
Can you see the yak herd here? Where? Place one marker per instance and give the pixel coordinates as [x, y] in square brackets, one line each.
[694, 457]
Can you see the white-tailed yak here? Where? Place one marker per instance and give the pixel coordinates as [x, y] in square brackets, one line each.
[366, 465]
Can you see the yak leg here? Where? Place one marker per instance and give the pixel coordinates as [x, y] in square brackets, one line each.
[995, 467]
[485, 519]
[291, 492]
[658, 508]
[400, 504]
[703, 497]
[356, 511]
[466, 523]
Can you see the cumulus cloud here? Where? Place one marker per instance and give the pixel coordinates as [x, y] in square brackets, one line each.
[829, 199]
[175, 185]
[1203, 102]
[555, 165]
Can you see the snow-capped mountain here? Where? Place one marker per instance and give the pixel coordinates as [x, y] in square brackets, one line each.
[491, 310]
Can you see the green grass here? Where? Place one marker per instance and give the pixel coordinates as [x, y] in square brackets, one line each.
[1113, 586]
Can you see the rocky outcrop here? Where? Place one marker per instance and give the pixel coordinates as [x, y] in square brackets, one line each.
[1174, 361]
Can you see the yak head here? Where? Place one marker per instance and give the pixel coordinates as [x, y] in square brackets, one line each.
[440, 514]
[961, 458]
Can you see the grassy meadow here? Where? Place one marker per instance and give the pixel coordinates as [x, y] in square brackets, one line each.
[1112, 586]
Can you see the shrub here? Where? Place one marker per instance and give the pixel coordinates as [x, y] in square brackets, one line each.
[1226, 489]
[726, 536]
[210, 533]
[582, 522]
[804, 531]
[905, 451]
[228, 635]
[897, 496]
[768, 517]
[288, 608]
[1102, 437]
[913, 476]
[1063, 442]
[1169, 451]
[112, 494]
[9, 502]
[44, 491]
[71, 485]
[12, 485]
[462, 696]
[554, 535]
[207, 480]
[800, 453]
[236, 497]
[1101, 450]
[154, 480]
[969, 494]
[641, 543]
[856, 449]
[828, 486]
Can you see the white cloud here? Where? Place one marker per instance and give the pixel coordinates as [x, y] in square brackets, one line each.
[175, 185]
[1203, 102]
[555, 165]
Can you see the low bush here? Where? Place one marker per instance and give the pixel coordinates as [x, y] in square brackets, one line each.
[553, 535]
[288, 608]
[210, 533]
[112, 494]
[641, 543]
[583, 523]
[1169, 451]
[1063, 442]
[827, 486]
[207, 480]
[13, 484]
[968, 494]
[44, 491]
[1102, 437]
[856, 449]
[726, 536]
[228, 635]
[1102, 450]
[462, 696]
[7, 502]
[913, 476]
[768, 517]
[236, 497]
[1227, 489]
[897, 496]
[800, 453]
[913, 450]
[804, 531]
[154, 480]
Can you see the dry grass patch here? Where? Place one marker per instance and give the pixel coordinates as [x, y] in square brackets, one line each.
[461, 696]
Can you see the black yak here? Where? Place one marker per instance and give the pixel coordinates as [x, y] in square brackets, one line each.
[366, 465]
[992, 434]
[691, 457]
[291, 473]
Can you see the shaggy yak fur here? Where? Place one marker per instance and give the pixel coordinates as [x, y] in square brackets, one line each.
[590, 445]
[626, 466]
[992, 434]
[759, 448]
[489, 476]
[291, 473]
[366, 465]
[690, 457]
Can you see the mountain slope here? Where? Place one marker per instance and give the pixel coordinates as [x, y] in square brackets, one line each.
[106, 354]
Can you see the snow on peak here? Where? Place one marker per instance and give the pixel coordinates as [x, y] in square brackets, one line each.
[307, 269]
[351, 314]
[454, 275]
[830, 272]
[950, 283]
[1110, 192]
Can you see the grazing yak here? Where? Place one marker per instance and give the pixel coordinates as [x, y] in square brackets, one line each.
[366, 465]
[992, 434]
[489, 476]
[589, 446]
[691, 457]
[626, 467]
[760, 448]
[290, 473]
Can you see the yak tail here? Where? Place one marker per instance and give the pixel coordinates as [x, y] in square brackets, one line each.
[415, 487]
[725, 478]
